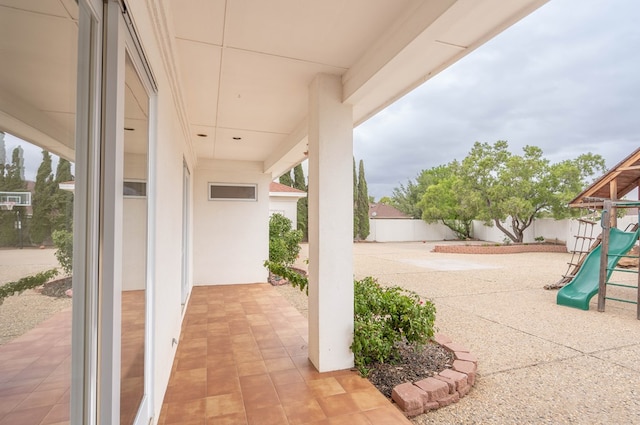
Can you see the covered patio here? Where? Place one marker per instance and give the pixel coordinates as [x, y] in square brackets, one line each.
[178, 114]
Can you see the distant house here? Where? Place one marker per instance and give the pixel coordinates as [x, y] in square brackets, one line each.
[380, 211]
[283, 199]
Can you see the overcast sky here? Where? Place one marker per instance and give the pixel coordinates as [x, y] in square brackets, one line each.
[566, 79]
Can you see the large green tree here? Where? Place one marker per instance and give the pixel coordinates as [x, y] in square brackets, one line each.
[513, 190]
[496, 186]
[362, 206]
[302, 217]
[43, 202]
[447, 199]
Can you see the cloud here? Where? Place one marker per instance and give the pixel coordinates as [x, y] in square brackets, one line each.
[564, 79]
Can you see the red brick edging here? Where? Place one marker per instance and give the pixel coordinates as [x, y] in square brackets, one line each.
[443, 389]
[497, 249]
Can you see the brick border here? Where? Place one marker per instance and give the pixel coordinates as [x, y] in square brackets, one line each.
[443, 389]
[498, 249]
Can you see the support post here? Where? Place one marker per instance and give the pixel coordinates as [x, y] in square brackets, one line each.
[604, 254]
[613, 195]
[330, 225]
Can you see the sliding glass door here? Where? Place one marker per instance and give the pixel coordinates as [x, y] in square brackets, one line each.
[124, 378]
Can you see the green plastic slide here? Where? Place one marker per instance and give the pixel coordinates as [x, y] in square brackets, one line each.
[585, 283]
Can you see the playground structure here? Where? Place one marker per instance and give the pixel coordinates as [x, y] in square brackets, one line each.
[590, 270]
[595, 272]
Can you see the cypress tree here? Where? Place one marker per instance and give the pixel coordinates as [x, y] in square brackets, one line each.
[11, 181]
[43, 201]
[62, 214]
[362, 204]
[303, 203]
[285, 179]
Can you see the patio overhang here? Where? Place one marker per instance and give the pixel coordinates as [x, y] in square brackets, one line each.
[240, 72]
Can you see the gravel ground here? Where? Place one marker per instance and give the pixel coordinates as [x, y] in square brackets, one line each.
[540, 363]
[20, 313]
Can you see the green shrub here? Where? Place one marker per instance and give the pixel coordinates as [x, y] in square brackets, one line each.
[63, 240]
[25, 283]
[284, 241]
[385, 316]
[284, 246]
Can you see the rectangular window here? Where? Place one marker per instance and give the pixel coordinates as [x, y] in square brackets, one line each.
[134, 189]
[233, 192]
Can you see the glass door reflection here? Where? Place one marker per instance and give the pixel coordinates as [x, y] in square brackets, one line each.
[134, 245]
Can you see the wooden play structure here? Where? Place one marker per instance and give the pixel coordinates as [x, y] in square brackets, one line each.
[590, 270]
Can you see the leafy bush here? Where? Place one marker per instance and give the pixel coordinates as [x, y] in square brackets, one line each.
[385, 316]
[284, 241]
[63, 240]
[284, 246]
[295, 279]
[25, 283]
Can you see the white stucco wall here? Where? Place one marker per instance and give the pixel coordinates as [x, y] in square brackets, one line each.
[407, 230]
[134, 227]
[134, 243]
[231, 241]
[286, 206]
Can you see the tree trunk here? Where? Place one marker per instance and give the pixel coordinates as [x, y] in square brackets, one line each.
[505, 231]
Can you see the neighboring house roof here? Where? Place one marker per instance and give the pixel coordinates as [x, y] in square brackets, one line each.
[278, 189]
[385, 211]
[615, 184]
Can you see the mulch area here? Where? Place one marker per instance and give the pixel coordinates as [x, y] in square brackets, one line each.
[57, 288]
[413, 365]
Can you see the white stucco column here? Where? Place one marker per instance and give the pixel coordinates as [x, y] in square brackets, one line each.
[330, 225]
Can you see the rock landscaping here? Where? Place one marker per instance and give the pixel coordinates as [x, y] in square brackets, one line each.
[499, 249]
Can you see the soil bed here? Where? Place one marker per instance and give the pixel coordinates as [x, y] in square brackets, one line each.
[57, 288]
[413, 365]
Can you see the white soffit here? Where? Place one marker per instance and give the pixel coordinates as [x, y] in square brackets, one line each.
[45, 7]
[38, 41]
[252, 146]
[199, 69]
[267, 93]
[199, 20]
[326, 32]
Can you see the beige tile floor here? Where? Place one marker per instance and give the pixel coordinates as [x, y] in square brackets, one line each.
[242, 359]
[35, 374]
[35, 369]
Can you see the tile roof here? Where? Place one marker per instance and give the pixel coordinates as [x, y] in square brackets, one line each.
[283, 188]
[385, 211]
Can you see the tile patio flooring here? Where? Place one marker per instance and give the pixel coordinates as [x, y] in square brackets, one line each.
[35, 374]
[242, 359]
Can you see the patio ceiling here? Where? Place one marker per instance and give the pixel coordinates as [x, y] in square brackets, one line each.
[245, 66]
[242, 68]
